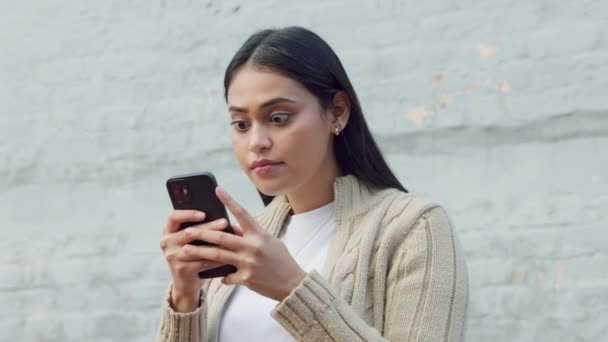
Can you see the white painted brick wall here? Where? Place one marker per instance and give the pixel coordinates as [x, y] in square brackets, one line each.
[496, 109]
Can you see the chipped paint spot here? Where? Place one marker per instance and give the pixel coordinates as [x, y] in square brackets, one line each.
[487, 51]
[505, 87]
[517, 277]
[540, 276]
[445, 101]
[418, 115]
[558, 275]
[436, 79]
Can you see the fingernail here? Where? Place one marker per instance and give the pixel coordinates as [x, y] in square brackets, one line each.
[189, 232]
[187, 248]
[199, 215]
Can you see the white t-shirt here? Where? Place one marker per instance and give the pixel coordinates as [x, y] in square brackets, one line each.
[246, 316]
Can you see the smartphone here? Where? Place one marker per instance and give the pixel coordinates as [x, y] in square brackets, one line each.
[196, 191]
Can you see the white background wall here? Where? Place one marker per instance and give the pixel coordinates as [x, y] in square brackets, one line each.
[496, 109]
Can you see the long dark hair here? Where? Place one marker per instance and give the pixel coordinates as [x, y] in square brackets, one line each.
[305, 57]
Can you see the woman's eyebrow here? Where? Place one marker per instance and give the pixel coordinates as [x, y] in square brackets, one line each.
[268, 103]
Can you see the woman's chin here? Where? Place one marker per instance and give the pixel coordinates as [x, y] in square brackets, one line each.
[270, 187]
[269, 191]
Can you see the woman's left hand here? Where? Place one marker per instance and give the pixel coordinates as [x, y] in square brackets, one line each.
[263, 262]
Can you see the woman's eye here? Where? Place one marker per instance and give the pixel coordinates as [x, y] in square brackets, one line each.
[280, 118]
[239, 125]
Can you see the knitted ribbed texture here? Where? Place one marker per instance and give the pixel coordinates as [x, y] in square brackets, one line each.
[395, 272]
[177, 326]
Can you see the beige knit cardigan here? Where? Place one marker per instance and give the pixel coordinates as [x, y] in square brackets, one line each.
[395, 271]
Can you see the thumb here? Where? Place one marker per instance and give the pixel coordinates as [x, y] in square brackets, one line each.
[231, 279]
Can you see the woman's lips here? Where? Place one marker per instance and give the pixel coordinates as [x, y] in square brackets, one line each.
[267, 169]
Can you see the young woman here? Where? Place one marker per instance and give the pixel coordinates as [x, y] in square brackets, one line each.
[341, 252]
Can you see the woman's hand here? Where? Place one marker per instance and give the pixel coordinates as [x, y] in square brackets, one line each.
[263, 262]
[184, 267]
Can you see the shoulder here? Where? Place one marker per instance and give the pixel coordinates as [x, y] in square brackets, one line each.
[416, 232]
[404, 212]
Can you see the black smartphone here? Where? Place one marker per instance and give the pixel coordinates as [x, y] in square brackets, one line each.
[196, 191]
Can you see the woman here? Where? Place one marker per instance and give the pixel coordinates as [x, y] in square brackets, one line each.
[341, 252]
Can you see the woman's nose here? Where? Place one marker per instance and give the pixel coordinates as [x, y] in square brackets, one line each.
[259, 139]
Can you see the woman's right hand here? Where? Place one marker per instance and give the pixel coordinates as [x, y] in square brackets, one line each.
[184, 268]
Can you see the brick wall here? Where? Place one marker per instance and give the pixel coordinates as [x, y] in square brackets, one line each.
[498, 110]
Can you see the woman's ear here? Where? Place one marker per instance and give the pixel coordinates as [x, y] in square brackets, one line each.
[340, 110]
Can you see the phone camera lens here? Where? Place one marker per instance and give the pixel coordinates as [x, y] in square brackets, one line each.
[180, 192]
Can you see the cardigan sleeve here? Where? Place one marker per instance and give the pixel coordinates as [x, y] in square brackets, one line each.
[425, 295]
[183, 327]
[428, 287]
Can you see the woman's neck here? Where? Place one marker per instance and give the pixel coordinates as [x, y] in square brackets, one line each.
[319, 191]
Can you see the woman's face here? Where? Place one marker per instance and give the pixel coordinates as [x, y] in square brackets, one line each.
[276, 119]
